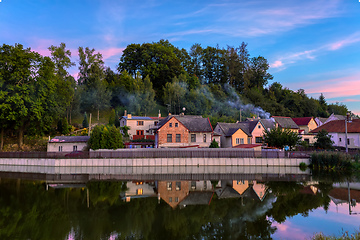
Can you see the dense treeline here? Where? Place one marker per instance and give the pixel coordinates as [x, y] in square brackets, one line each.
[37, 92]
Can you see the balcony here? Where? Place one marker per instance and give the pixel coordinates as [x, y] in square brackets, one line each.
[148, 137]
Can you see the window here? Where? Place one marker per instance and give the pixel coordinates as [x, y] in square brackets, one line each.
[140, 123]
[204, 137]
[306, 140]
[193, 185]
[249, 141]
[169, 186]
[74, 148]
[259, 126]
[170, 199]
[139, 132]
[169, 138]
[139, 191]
[170, 124]
[178, 137]
[176, 124]
[193, 137]
[339, 139]
[237, 141]
[258, 139]
[241, 141]
[348, 140]
[178, 186]
[176, 199]
[60, 148]
[205, 185]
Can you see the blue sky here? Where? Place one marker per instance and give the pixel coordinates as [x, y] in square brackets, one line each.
[313, 45]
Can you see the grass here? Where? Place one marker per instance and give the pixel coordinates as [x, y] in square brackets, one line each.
[345, 236]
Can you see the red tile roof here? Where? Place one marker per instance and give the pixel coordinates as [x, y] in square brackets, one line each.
[338, 126]
[303, 121]
[247, 145]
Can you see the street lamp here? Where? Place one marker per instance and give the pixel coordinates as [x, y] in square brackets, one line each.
[347, 119]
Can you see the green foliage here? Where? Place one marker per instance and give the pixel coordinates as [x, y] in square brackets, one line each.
[63, 126]
[85, 123]
[302, 166]
[279, 138]
[323, 140]
[214, 144]
[105, 137]
[330, 161]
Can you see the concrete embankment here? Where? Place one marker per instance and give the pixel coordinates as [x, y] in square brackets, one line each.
[153, 162]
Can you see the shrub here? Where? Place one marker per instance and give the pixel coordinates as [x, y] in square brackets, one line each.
[330, 161]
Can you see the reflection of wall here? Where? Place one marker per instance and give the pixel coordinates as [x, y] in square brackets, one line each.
[200, 185]
[139, 189]
[173, 192]
[259, 189]
[240, 186]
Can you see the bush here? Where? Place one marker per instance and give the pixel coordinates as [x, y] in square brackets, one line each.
[105, 137]
[330, 161]
[302, 166]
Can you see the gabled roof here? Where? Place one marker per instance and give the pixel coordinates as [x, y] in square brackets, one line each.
[227, 192]
[268, 123]
[230, 128]
[338, 126]
[192, 123]
[69, 139]
[286, 122]
[247, 146]
[302, 121]
[137, 118]
[197, 198]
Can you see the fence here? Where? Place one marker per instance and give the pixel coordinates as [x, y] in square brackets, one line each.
[161, 153]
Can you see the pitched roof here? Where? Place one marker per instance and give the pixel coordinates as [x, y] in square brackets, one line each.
[197, 198]
[247, 146]
[192, 123]
[338, 126]
[70, 139]
[137, 118]
[286, 122]
[230, 128]
[302, 121]
[268, 123]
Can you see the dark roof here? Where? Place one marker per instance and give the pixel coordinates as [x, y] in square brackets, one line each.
[230, 128]
[69, 139]
[338, 126]
[137, 118]
[197, 198]
[286, 122]
[227, 192]
[322, 119]
[247, 146]
[192, 123]
[303, 121]
[268, 123]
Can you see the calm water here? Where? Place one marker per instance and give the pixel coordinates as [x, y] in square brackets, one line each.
[260, 207]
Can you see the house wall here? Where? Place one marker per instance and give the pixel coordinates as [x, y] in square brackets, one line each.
[224, 141]
[166, 129]
[240, 186]
[310, 137]
[200, 139]
[173, 196]
[239, 134]
[353, 137]
[307, 128]
[66, 147]
[257, 132]
[133, 124]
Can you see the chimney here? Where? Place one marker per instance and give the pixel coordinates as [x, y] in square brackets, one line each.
[159, 115]
[125, 113]
[129, 116]
[169, 113]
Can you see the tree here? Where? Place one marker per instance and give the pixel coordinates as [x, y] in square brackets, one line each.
[105, 137]
[28, 93]
[323, 140]
[95, 95]
[85, 123]
[280, 138]
[214, 144]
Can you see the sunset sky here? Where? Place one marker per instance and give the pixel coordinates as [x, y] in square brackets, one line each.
[313, 45]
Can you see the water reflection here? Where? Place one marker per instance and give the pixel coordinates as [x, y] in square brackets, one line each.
[176, 209]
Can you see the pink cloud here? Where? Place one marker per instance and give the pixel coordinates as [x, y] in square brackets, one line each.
[287, 230]
[276, 64]
[110, 52]
[354, 38]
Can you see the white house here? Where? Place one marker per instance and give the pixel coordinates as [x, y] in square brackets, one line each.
[68, 143]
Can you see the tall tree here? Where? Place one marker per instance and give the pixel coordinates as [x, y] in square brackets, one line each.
[95, 95]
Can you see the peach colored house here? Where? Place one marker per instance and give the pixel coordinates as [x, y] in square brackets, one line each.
[286, 123]
[183, 131]
[233, 134]
[306, 124]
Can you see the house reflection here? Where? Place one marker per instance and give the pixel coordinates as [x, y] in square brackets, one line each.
[138, 189]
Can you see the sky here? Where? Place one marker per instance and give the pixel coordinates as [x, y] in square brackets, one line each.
[310, 44]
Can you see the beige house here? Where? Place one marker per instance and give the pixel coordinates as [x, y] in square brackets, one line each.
[306, 124]
[286, 123]
[140, 127]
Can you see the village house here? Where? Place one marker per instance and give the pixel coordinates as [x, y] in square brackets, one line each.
[306, 124]
[68, 143]
[140, 127]
[336, 130]
[233, 134]
[183, 131]
[286, 123]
